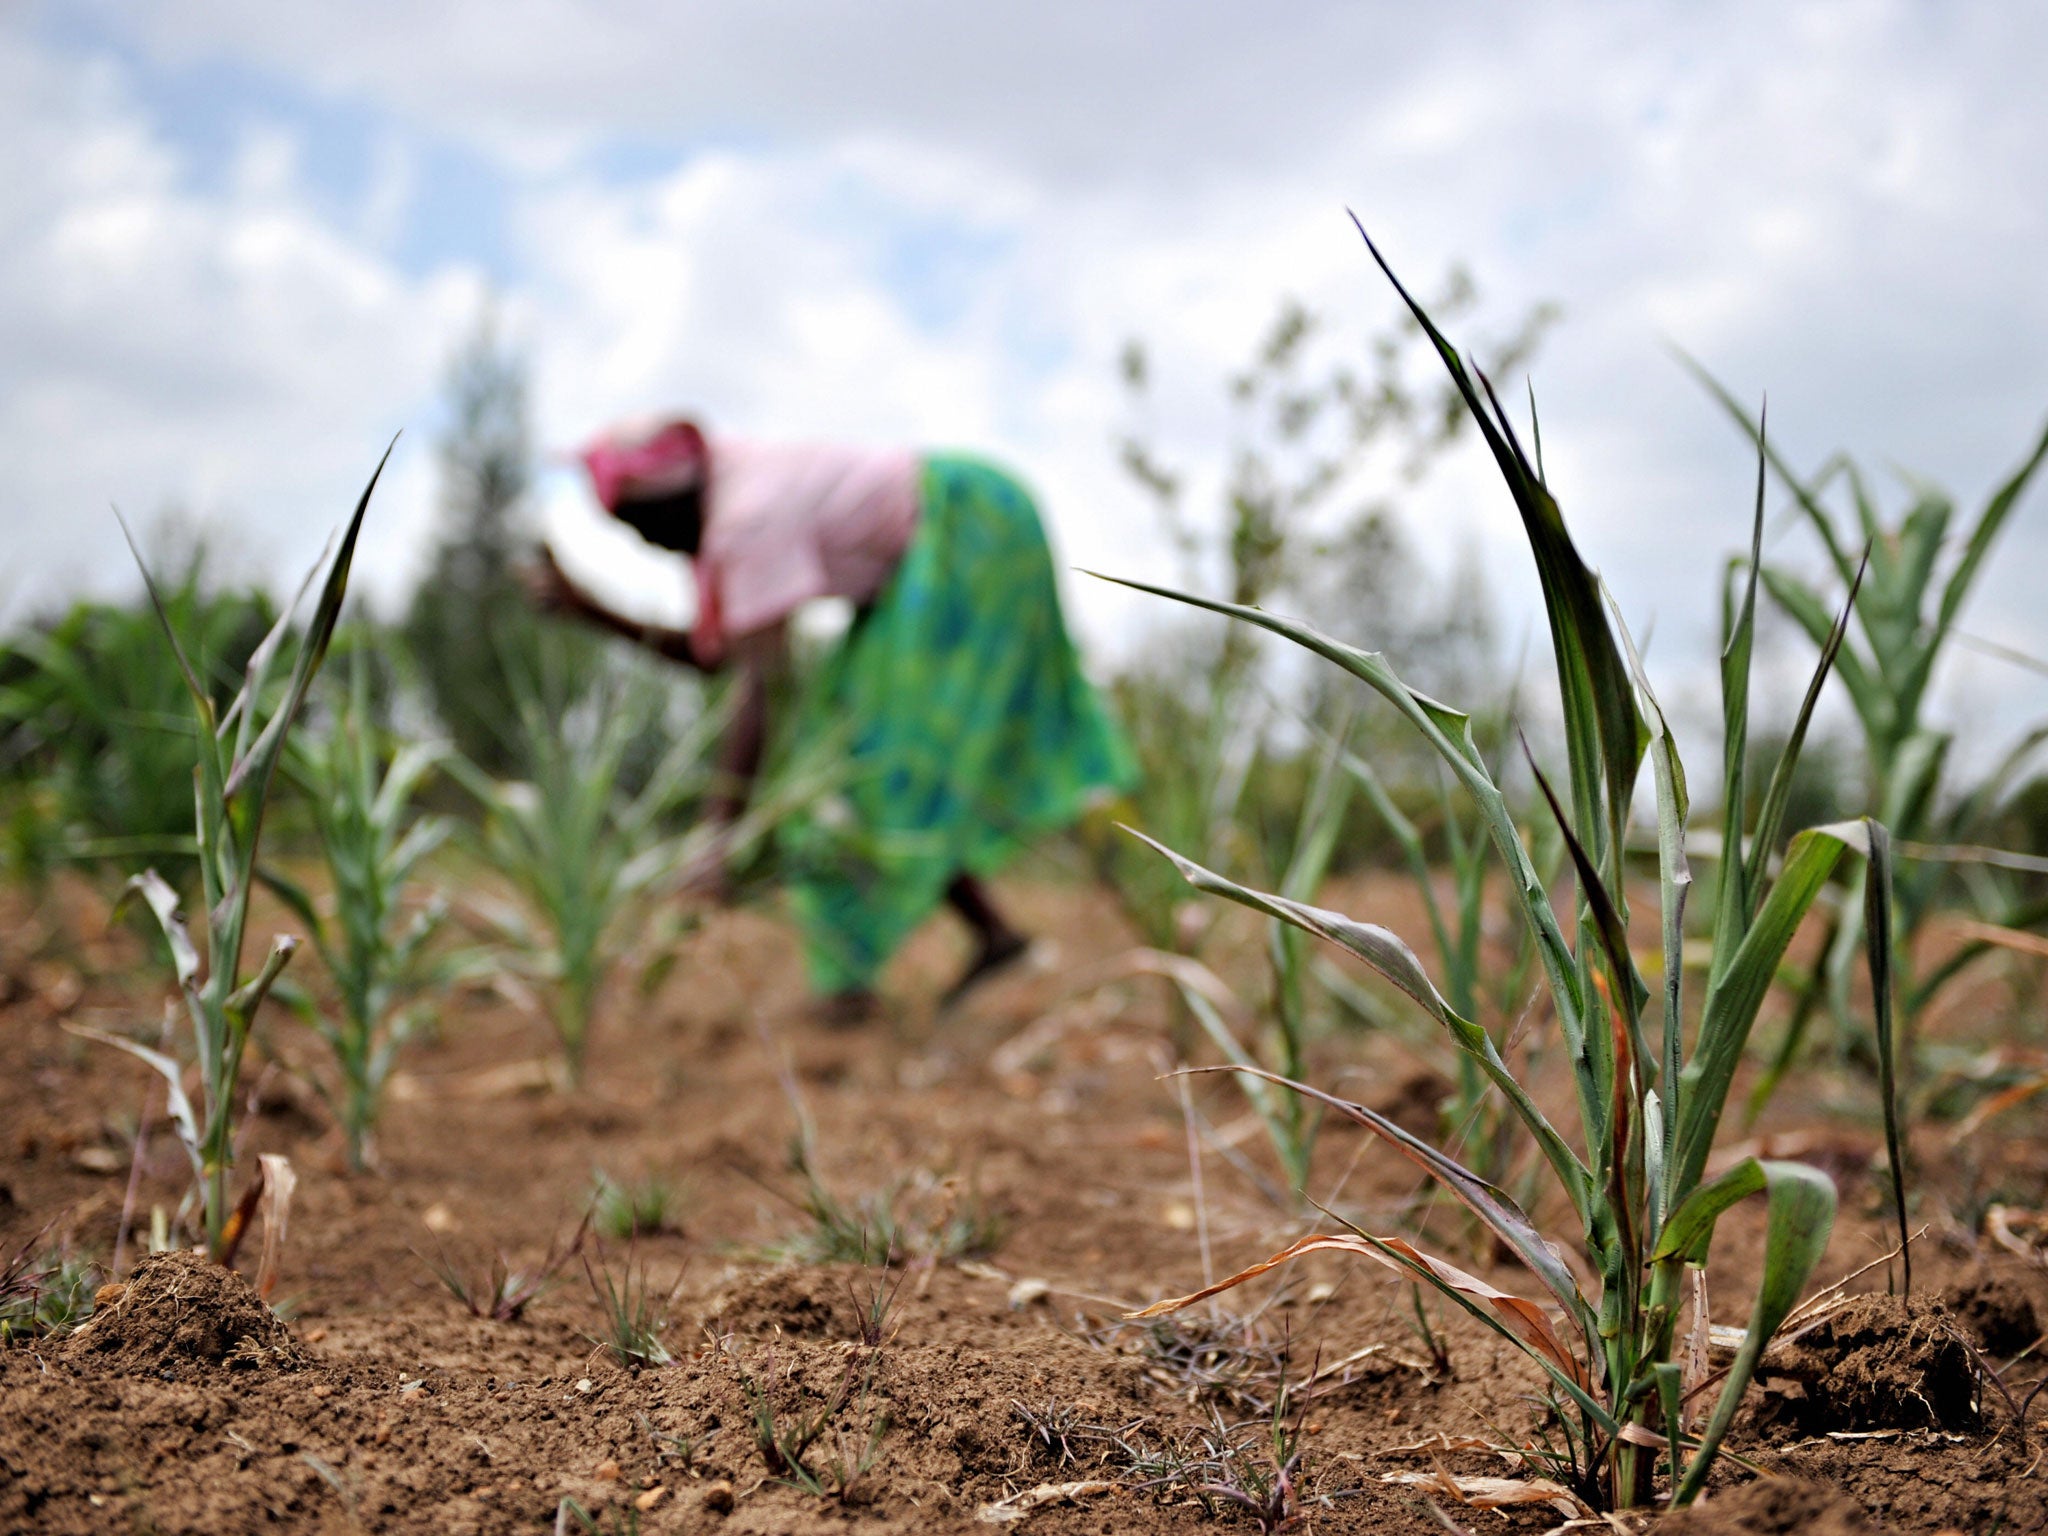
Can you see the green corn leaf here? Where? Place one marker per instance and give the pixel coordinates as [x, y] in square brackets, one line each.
[247, 998]
[1656, 1159]
[261, 757]
[1872, 529]
[1671, 1398]
[1801, 1215]
[1394, 960]
[1602, 732]
[1674, 879]
[1608, 923]
[1988, 794]
[1919, 543]
[1731, 897]
[1690, 1226]
[1805, 495]
[1779, 793]
[1915, 775]
[1995, 513]
[409, 769]
[201, 700]
[1734, 997]
[241, 712]
[422, 839]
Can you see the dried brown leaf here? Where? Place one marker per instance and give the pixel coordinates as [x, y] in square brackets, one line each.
[1523, 1318]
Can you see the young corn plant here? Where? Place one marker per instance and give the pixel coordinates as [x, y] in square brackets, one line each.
[360, 795]
[239, 750]
[1650, 1082]
[589, 859]
[582, 853]
[1905, 609]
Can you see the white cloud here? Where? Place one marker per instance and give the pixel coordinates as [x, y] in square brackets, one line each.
[227, 352]
[1840, 202]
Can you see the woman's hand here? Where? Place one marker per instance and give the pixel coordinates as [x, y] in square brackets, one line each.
[705, 875]
[546, 585]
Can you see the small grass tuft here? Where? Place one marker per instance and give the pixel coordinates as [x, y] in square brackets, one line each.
[497, 1291]
[632, 1317]
[924, 1216]
[683, 1450]
[825, 1443]
[571, 1518]
[642, 1207]
[44, 1293]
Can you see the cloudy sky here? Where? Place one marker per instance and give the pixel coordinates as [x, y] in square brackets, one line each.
[238, 240]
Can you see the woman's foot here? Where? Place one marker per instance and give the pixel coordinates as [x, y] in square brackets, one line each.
[997, 953]
[997, 944]
[848, 1009]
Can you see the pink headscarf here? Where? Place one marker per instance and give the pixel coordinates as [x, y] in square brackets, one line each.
[644, 458]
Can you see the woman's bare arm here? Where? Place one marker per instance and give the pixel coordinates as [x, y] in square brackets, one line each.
[551, 590]
[756, 659]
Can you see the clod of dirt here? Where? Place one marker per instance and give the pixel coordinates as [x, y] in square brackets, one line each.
[1876, 1362]
[177, 1313]
[1772, 1506]
[1996, 1310]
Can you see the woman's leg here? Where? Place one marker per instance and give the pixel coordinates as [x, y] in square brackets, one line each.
[997, 942]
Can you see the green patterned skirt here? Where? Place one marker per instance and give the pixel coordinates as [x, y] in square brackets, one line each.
[970, 729]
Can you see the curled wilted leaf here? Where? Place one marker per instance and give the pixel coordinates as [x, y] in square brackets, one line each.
[1520, 1317]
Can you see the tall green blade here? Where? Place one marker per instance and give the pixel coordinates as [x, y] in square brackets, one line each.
[1731, 896]
[1877, 925]
[1806, 495]
[1867, 690]
[1603, 734]
[1779, 793]
[1674, 879]
[1609, 926]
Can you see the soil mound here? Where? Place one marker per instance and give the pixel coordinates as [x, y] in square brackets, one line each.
[799, 1303]
[1996, 1310]
[1772, 1506]
[179, 1313]
[1878, 1363]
